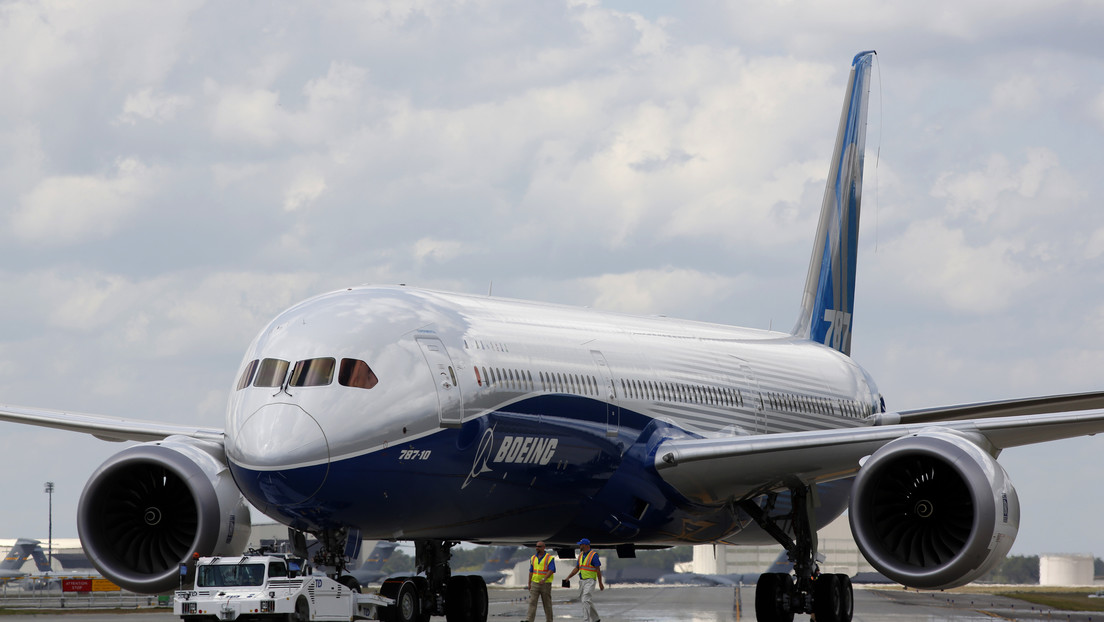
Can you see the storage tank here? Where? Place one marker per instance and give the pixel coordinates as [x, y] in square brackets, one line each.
[1065, 569]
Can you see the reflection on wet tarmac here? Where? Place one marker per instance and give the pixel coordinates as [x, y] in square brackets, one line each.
[726, 604]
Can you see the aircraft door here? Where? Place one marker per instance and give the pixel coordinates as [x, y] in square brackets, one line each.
[754, 398]
[449, 401]
[613, 411]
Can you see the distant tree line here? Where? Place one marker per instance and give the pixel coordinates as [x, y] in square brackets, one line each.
[469, 559]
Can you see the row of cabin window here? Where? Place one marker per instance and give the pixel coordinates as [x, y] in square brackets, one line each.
[808, 404]
[588, 385]
[676, 392]
[307, 373]
[523, 380]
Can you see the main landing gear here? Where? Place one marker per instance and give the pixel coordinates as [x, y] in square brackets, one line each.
[435, 591]
[778, 596]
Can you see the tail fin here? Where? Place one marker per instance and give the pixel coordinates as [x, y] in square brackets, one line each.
[500, 558]
[826, 304]
[379, 555]
[41, 561]
[18, 554]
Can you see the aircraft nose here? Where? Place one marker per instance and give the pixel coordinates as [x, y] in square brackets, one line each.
[286, 443]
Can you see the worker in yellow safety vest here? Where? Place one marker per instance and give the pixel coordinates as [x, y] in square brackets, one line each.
[542, 567]
[589, 568]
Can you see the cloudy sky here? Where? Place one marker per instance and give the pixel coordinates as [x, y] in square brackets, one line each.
[173, 174]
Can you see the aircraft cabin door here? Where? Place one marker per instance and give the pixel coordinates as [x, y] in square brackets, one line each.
[449, 401]
[754, 397]
[605, 378]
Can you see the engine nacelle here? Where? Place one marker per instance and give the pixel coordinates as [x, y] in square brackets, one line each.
[933, 510]
[148, 508]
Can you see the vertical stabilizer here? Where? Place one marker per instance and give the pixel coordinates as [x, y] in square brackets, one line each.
[379, 555]
[829, 296]
[18, 554]
[41, 561]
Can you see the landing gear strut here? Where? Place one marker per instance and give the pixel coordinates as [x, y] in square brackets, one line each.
[438, 592]
[330, 555]
[778, 596]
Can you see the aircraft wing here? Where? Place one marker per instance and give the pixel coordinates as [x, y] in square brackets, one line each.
[1024, 406]
[103, 427]
[715, 470]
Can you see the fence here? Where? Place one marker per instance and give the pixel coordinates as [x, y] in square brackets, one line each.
[55, 599]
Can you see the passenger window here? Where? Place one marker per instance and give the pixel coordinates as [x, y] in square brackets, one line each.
[356, 373]
[312, 373]
[247, 375]
[271, 373]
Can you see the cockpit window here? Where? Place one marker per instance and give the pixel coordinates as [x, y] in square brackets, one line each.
[271, 373]
[247, 375]
[312, 373]
[356, 373]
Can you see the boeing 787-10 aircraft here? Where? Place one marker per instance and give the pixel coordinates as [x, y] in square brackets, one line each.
[398, 413]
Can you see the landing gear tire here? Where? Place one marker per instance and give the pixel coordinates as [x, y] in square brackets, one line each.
[833, 598]
[773, 596]
[478, 588]
[458, 600]
[847, 598]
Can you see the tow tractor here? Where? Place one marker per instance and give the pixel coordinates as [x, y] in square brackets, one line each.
[271, 587]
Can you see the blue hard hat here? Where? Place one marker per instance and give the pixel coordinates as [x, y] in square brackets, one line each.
[582, 542]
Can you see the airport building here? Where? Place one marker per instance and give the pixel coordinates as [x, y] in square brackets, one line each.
[835, 542]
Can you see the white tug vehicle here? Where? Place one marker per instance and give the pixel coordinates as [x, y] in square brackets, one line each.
[272, 587]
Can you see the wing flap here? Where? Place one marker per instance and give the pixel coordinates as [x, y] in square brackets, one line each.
[106, 428]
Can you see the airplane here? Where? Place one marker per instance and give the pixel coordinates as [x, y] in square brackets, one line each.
[12, 564]
[400, 413]
[781, 564]
[494, 569]
[371, 570]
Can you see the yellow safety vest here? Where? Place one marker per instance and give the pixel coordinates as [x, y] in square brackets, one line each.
[586, 570]
[540, 572]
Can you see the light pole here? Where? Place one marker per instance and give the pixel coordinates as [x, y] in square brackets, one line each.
[50, 523]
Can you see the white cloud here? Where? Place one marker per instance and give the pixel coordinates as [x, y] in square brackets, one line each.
[1095, 246]
[440, 251]
[937, 266]
[1005, 195]
[654, 291]
[147, 105]
[616, 158]
[304, 190]
[246, 115]
[65, 209]
[1096, 109]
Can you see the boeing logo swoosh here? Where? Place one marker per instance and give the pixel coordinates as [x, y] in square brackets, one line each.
[482, 455]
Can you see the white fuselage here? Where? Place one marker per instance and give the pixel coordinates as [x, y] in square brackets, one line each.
[510, 392]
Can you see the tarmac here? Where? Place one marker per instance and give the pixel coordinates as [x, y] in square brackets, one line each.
[650, 603]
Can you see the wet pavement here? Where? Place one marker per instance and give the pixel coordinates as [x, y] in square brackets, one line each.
[650, 603]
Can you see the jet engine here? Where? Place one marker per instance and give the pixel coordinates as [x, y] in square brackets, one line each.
[148, 508]
[933, 510]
